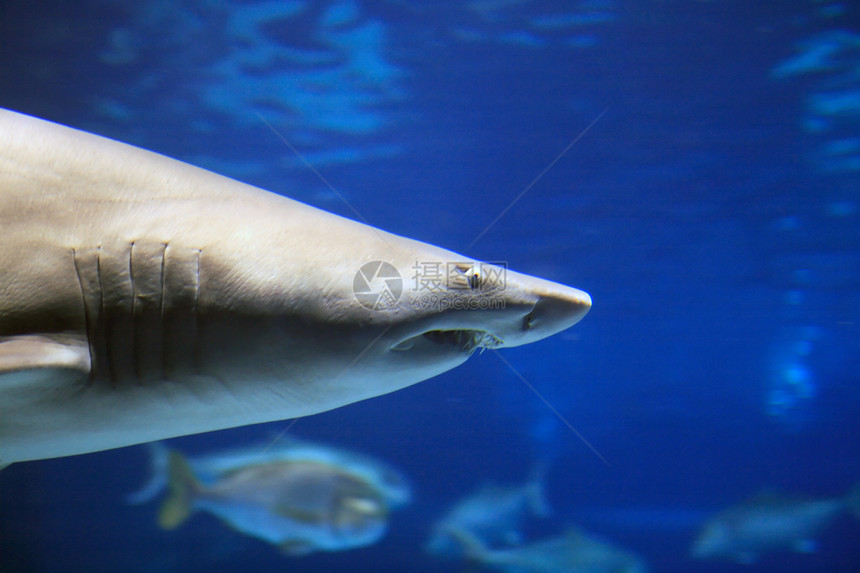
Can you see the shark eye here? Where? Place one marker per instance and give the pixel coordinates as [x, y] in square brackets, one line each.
[473, 276]
[470, 274]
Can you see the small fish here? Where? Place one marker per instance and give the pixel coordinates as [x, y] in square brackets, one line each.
[302, 497]
[770, 522]
[494, 514]
[572, 551]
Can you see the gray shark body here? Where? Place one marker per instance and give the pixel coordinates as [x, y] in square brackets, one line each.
[142, 298]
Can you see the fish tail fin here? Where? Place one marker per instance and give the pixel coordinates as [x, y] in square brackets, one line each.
[536, 491]
[183, 485]
[854, 500]
[158, 457]
[473, 547]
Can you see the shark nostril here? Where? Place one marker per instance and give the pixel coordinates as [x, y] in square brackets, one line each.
[529, 322]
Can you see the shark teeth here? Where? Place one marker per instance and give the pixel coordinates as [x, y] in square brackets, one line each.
[465, 340]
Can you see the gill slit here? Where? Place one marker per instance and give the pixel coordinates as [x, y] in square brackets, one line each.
[198, 347]
[134, 324]
[161, 312]
[87, 321]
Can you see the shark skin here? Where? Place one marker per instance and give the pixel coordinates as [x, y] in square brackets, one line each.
[142, 298]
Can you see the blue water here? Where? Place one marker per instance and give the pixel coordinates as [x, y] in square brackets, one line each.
[710, 205]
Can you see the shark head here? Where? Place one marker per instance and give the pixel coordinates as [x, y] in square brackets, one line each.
[386, 312]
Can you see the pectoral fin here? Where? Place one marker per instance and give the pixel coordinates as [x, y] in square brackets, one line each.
[34, 351]
[37, 372]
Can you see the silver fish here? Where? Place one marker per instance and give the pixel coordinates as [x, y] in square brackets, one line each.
[303, 497]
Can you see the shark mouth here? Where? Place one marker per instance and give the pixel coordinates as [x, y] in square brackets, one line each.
[464, 340]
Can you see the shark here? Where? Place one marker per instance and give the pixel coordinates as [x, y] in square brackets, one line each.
[143, 298]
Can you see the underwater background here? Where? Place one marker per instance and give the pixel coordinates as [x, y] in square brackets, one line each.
[693, 165]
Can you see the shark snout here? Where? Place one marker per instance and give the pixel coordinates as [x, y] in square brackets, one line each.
[557, 308]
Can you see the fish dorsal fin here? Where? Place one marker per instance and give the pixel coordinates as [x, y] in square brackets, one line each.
[37, 352]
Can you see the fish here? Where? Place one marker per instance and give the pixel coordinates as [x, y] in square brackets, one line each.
[210, 467]
[493, 513]
[300, 496]
[142, 298]
[572, 551]
[770, 522]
